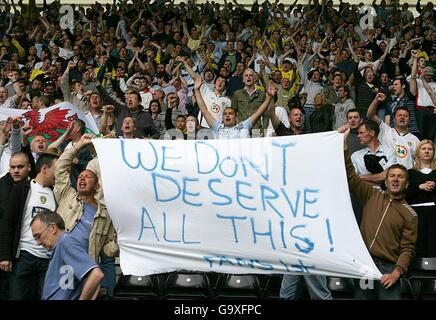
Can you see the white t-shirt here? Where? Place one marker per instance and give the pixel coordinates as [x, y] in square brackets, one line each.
[282, 114]
[403, 145]
[241, 130]
[272, 59]
[386, 155]
[146, 97]
[424, 99]
[363, 64]
[215, 104]
[4, 160]
[39, 198]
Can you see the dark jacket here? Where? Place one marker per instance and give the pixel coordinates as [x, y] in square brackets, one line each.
[10, 228]
[169, 122]
[28, 151]
[235, 83]
[6, 185]
[143, 122]
[364, 93]
[321, 120]
[414, 194]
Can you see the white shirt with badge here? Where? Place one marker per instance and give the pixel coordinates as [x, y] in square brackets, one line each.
[385, 153]
[403, 145]
[39, 198]
[214, 103]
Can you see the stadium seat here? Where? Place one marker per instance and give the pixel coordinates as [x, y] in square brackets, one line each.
[422, 275]
[238, 286]
[137, 288]
[184, 285]
[213, 279]
[426, 289]
[341, 288]
[407, 292]
[423, 268]
[271, 287]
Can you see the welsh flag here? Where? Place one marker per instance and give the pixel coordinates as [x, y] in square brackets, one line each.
[51, 122]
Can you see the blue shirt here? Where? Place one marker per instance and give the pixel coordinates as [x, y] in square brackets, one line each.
[67, 270]
[83, 228]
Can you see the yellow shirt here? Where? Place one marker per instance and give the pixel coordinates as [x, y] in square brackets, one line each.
[114, 72]
[424, 54]
[16, 44]
[289, 75]
[193, 44]
[35, 73]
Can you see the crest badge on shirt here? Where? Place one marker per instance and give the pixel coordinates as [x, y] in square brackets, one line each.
[43, 199]
[401, 151]
[215, 108]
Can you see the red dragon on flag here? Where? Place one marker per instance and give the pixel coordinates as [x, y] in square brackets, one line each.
[50, 122]
[52, 125]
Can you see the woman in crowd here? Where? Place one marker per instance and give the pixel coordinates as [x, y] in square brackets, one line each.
[155, 111]
[421, 196]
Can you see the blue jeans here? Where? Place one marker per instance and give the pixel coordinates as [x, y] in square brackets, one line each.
[379, 292]
[292, 286]
[27, 278]
[107, 266]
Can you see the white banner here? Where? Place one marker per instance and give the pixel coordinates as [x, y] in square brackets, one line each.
[50, 122]
[270, 205]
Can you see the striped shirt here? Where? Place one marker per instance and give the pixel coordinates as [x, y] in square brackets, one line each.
[404, 101]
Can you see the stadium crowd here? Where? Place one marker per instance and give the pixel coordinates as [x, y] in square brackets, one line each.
[193, 71]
